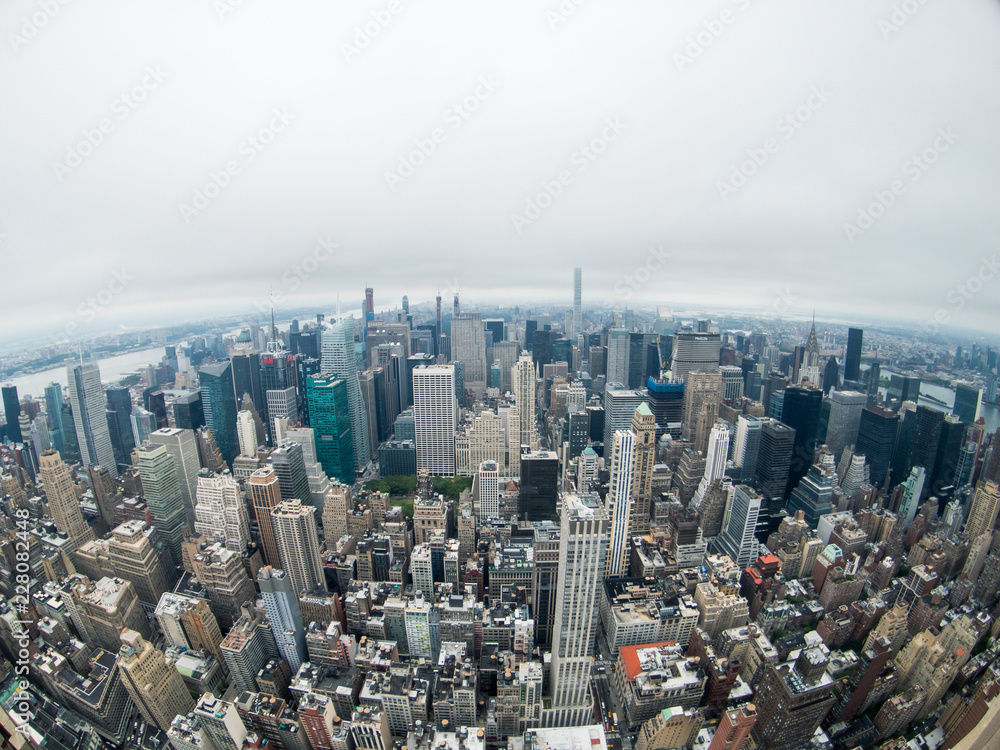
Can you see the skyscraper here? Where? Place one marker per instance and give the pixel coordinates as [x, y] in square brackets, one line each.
[134, 558]
[968, 400]
[54, 412]
[877, 430]
[219, 402]
[583, 548]
[182, 445]
[282, 605]
[469, 346]
[153, 681]
[619, 503]
[644, 429]
[246, 433]
[221, 512]
[523, 383]
[298, 545]
[695, 351]
[616, 370]
[329, 416]
[12, 412]
[162, 487]
[845, 420]
[984, 509]
[577, 301]
[338, 357]
[119, 412]
[86, 395]
[737, 538]
[801, 411]
[746, 445]
[288, 462]
[435, 417]
[715, 459]
[852, 359]
[63, 503]
[488, 490]
[792, 700]
[619, 409]
[265, 495]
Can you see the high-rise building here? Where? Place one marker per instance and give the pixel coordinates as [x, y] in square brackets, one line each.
[583, 548]
[53, 411]
[732, 382]
[101, 610]
[282, 605]
[619, 503]
[469, 346]
[715, 459]
[968, 400]
[813, 495]
[877, 430]
[182, 445]
[852, 359]
[289, 463]
[577, 301]
[523, 431]
[298, 545]
[86, 396]
[792, 700]
[246, 433]
[737, 537]
[774, 458]
[221, 512]
[702, 395]
[616, 370]
[133, 557]
[845, 420]
[695, 351]
[247, 646]
[329, 416]
[435, 418]
[644, 429]
[12, 413]
[219, 403]
[801, 411]
[487, 491]
[188, 623]
[746, 446]
[60, 492]
[338, 358]
[984, 509]
[619, 409]
[153, 681]
[539, 496]
[734, 728]
[119, 414]
[265, 495]
[161, 486]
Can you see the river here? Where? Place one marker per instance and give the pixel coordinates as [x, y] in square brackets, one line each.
[112, 369]
[989, 412]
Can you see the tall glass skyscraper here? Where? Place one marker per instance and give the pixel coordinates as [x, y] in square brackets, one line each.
[54, 410]
[338, 357]
[219, 401]
[90, 417]
[330, 418]
[12, 411]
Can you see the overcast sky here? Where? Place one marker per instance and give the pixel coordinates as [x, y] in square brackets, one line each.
[643, 119]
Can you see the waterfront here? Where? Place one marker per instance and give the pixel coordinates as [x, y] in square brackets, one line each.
[112, 369]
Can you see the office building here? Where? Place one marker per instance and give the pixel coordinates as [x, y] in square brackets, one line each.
[265, 495]
[619, 503]
[734, 728]
[247, 647]
[182, 445]
[877, 431]
[219, 402]
[281, 603]
[134, 557]
[468, 345]
[522, 430]
[715, 460]
[984, 509]
[161, 486]
[968, 400]
[619, 408]
[152, 681]
[486, 491]
[101, 610]
[60, 492]
[435, 417]
[246, 434]
[328, 396]
[223, 574]
[813, 495]
[577, 301]
[339, 359]
[694, 352]
[119, 414]
[845, 420]
[12, 413]
[583, 549]
[539, 493]
[616, 370]
[737, 537]
[298, 545]
[644, 429]
[86, 397]
[221, 514]
[792, 700]
[188, 623]
[702, 396]
[852, 359]
[801, 408]
[289, 463]
[666, 400]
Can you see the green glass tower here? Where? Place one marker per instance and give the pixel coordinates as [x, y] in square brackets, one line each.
[330, 418]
